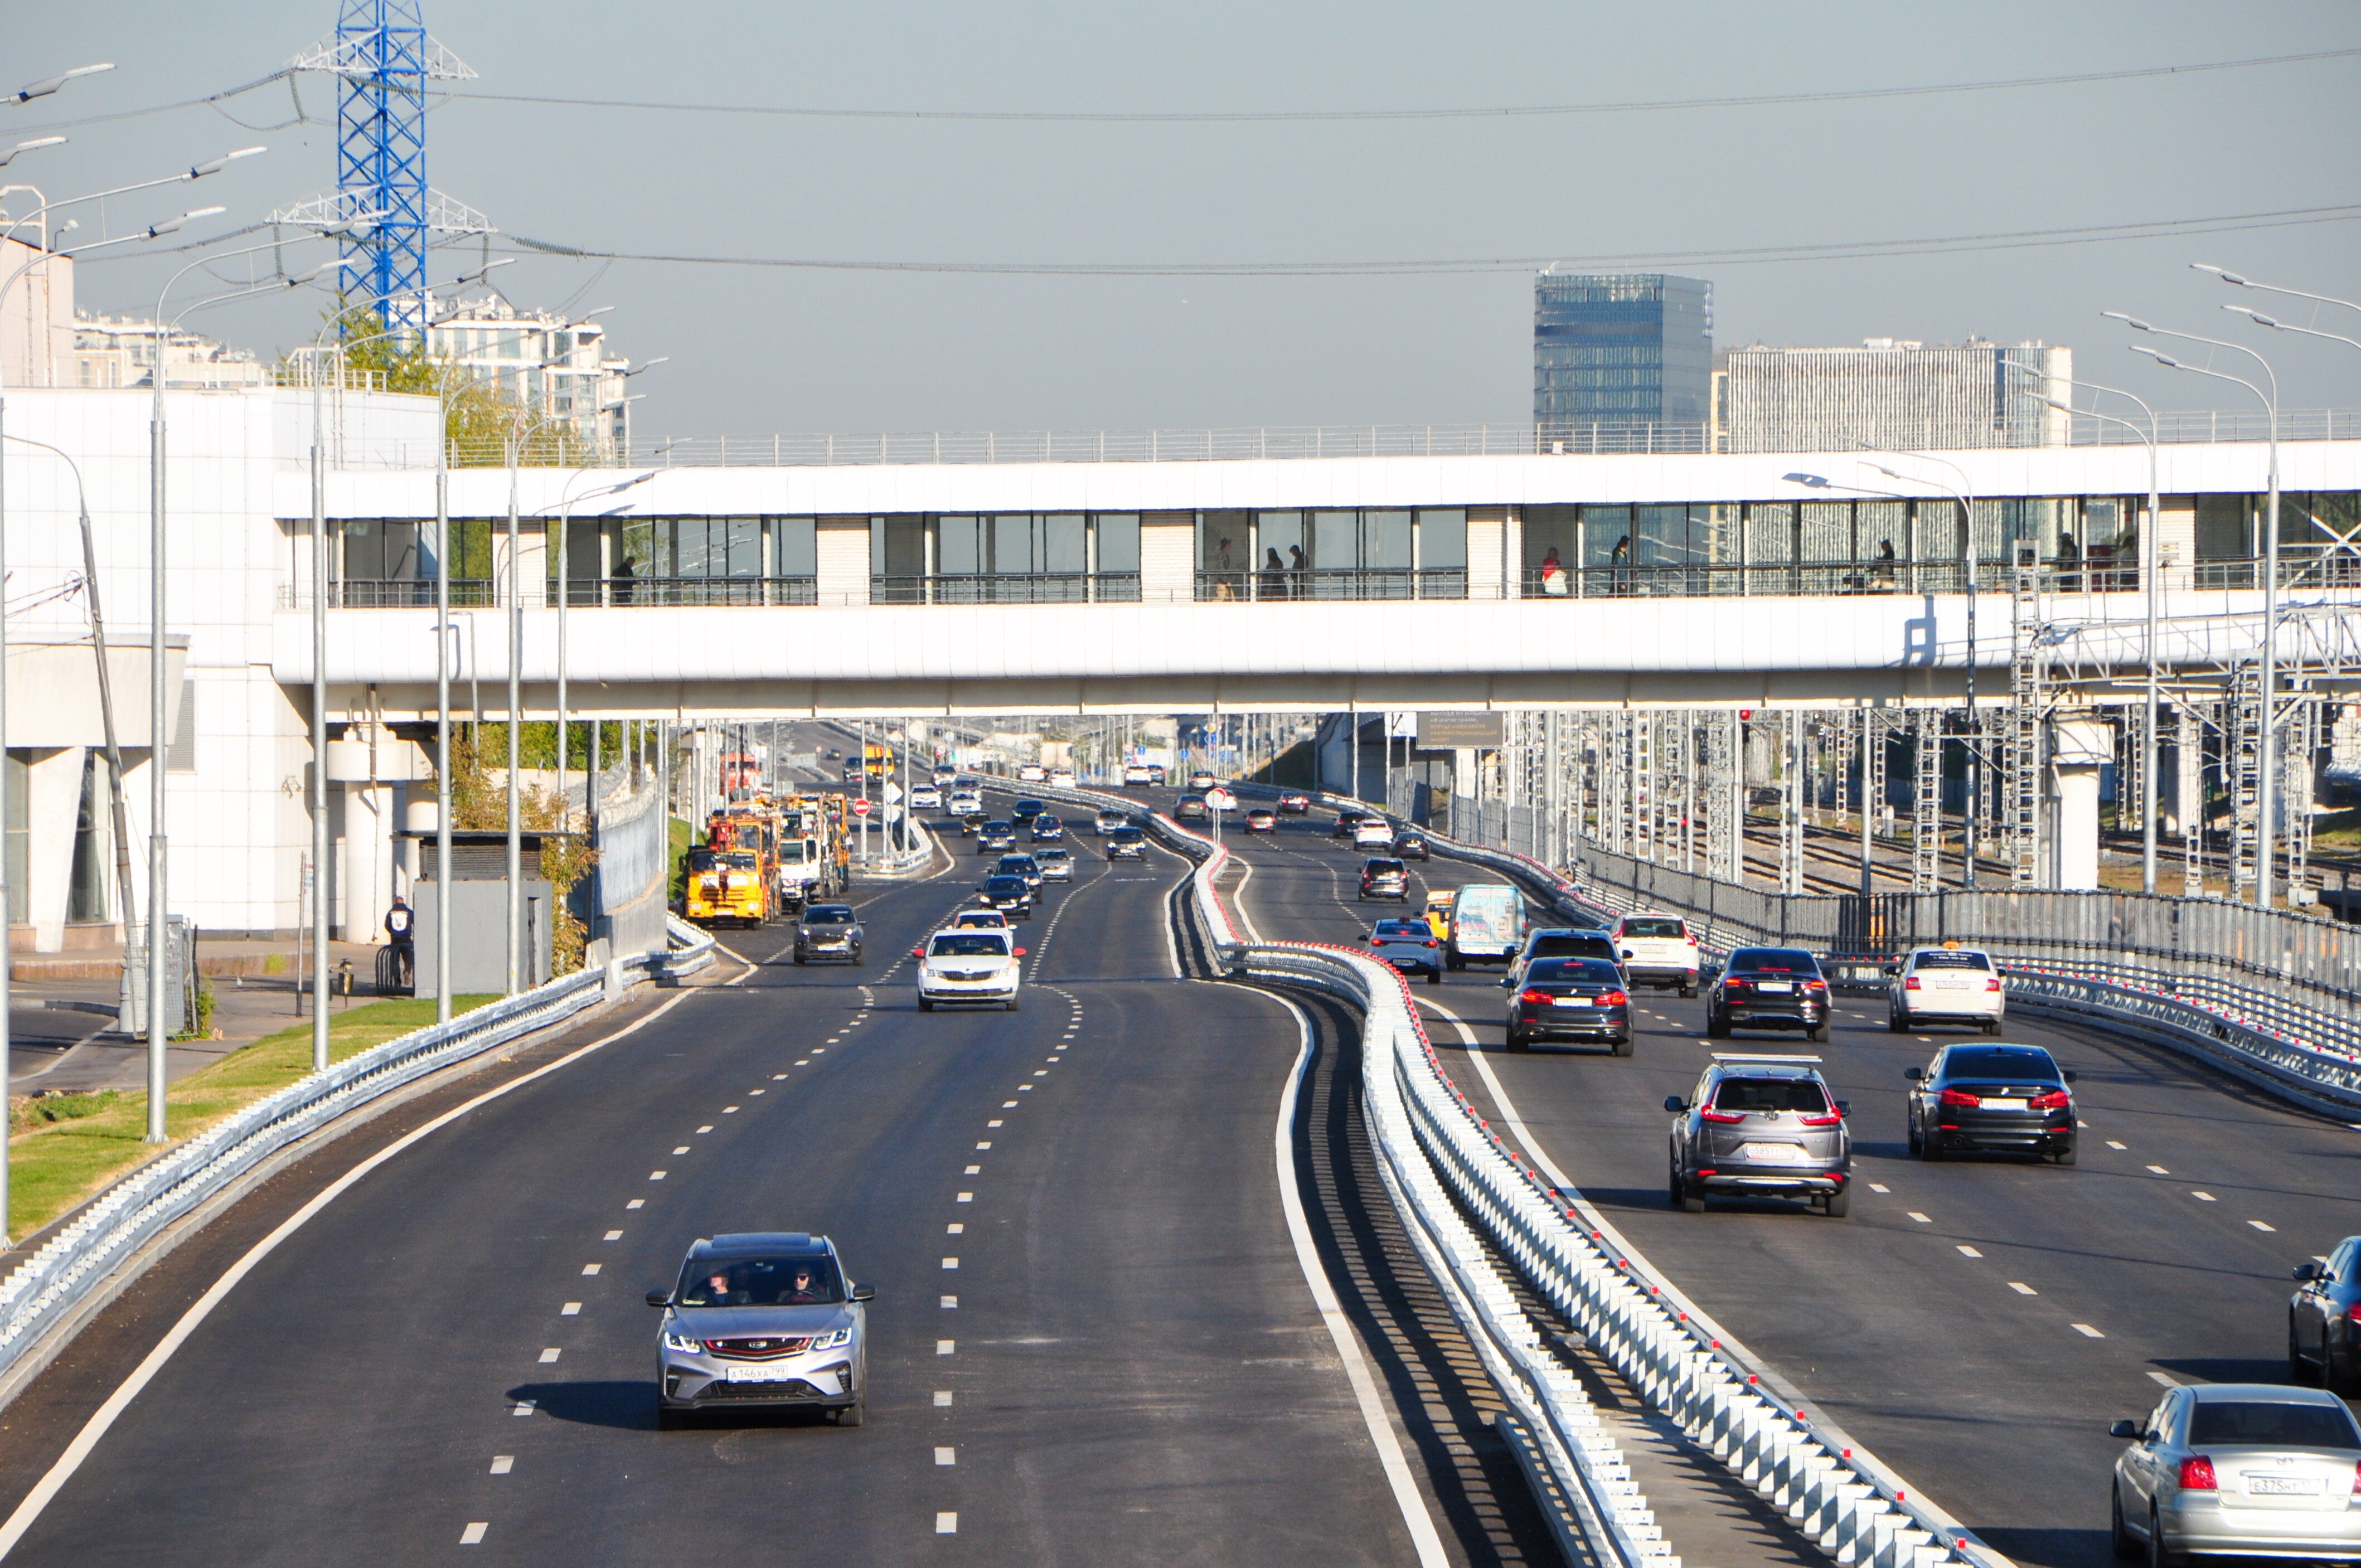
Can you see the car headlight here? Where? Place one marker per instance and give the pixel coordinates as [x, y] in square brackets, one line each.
[684, 1343]
[832, 1340]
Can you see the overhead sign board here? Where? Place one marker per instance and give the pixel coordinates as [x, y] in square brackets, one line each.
[1452, 732]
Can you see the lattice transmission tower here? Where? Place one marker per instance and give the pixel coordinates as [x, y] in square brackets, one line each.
[383, 61]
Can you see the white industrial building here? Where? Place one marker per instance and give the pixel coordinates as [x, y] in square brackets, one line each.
[1892, 393]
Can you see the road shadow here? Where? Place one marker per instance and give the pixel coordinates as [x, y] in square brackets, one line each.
[2226, 1368]
[630, 1405]
[2050, 1547]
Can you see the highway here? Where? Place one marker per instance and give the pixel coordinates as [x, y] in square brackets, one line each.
[1094, 1340]
[1977, 1323]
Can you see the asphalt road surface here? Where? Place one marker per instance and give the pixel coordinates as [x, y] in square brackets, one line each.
[1977, 1323]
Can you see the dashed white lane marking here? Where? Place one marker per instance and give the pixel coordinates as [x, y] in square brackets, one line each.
[946, 1524]
[2200, 1197]
[503, 1463]
[946, 1456]
[1007, 1106]
[993, 1122]
[984, 1145]
[637, 1204]
[682, 1149]
[2160, 1378]
[1966, 1251]
[967, 1197]
[707, 1127]
[954, 1228]
[942, 1398]
[614, 1236]
[524, 1407]
[474, 1534]
[1041, 1072]
[2159, 1171]
[549, 1355]
[951, 1263]
[2022, 1289]
[974, 1170]
[2260, 1226]
[1023, 1088]
[1880, 1187]
[951, 1303]
[2088, 1332]
[571, 1309]
[2113, 1145]
[944, 1347]
[591, 1268]
[655, 1176]
[1920, 1218]
[757, 1091]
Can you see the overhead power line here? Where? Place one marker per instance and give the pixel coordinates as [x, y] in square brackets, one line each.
[1272, 117]
[1847, 250]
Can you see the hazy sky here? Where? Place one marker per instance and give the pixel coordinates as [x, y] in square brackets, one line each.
[754, 351]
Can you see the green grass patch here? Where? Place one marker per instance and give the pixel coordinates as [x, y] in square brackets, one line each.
[64, 1148]
[683, 836]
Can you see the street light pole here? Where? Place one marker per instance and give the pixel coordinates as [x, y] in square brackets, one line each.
[2151, 572]
[2267, 791]
[1970, 817]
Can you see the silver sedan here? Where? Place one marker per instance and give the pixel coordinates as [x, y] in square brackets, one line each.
[2240, 1468]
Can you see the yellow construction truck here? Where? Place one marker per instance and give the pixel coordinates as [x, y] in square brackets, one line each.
[732, 876]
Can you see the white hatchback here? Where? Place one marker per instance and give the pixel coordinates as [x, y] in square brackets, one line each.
[1948, 984]
[1373, 833]
[969, 966]
[1657, 950]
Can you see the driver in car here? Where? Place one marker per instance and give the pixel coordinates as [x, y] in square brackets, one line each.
[801, 1292]
[719, 1294]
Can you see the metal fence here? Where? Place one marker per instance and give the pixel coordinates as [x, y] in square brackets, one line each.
[1288, 584]
[1013, 588]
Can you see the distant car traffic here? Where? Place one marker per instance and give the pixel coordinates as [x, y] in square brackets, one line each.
[761, 1318]
[1571, 999]
[2324, 1320]
[1032, 773]
[1769, 988]
[979, 920]
[828, 931]
[2238, 1469]
[1061, 778]
[1409, 946]
[1293, 803]
[965, 803]
[1488, 925]
[1020, 865]
[1192, 808]
[1057, 863]
[1156, 774]
[1945, 985]
[1108, 821]
[1137, 775]
[2000, 1099]
[1562, 942]
[1383, 878]
[1352, 817]
[1761, 1127]
[1127, 844]
[926, 797]
[1199, 779]
[995, 838]
[1409, 844]
[1262, 820]
[946, 777]
[1048, 829]
[1220, 799]
[1026, 810]
[969, 967]
[1373, 833]
[1658, 950]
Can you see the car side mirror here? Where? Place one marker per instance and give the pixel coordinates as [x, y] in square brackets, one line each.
[2128, 1429]
[1915, 1074]
[659, 1297]
[2305, 1271]
[1507, 981]
[2068, 1076]
[1020, 952]
[1676, 1104]
[1844, 1107]
[1627, 953]
[864, 1292]
[1893, 969]
[918, 952]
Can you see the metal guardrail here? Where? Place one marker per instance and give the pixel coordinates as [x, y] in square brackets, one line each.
[44, 1290]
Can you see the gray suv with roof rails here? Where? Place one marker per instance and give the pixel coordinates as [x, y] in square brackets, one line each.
[763, 1318]
[1761, 1127]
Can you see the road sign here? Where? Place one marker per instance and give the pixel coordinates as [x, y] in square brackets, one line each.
[893, 792]
[860, 808]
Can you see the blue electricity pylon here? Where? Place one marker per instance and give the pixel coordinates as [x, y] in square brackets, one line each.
[383, 59]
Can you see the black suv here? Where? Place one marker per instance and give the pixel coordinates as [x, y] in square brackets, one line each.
[828, 931]
[995, 837]
[1769, 988]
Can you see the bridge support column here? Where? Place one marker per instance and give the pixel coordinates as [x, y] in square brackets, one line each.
[2079, 745]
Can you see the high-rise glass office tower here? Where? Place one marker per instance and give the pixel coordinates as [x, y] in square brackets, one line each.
[1622, 348]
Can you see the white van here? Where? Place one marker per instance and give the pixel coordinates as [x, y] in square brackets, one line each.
[1488, 925]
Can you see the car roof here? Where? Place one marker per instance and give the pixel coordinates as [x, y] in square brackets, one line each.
[1648, 915]
[972, 930]
[752, 1244]
[2259, 1393]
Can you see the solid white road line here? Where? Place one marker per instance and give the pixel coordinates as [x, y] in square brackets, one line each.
[105, 1416]
[1415, 1518]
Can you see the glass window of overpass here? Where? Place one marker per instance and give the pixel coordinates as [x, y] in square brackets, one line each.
[1004, 558]
[1363, 554]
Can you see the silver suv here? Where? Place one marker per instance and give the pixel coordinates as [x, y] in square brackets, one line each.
[1761, 1127]
[763, 1317]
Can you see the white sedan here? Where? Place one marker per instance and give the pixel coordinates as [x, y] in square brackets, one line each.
[969, 967]
[926, 797]
[1950, 984]
[1373, 833]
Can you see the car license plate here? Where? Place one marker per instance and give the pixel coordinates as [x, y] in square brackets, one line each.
[1773, 985]
[1991, 1104]
[2280, 1486]
[1571, 1001]
[761, 1375]
[1776, 1153]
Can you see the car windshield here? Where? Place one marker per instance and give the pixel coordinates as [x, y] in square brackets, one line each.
[1045, 822]
[988, 918]
[1028, 808]
[1940, 958]
[2029, 1064]
[1656, 930]
[1803, 1094]
[1053, 857]
[1569, 947]
[2269, 1424]
[1014, 866]
[969, 945]
[1415, 930]
[1000, 826]
[1003, 886]
[1127, 835]
[1575, 972]
[1384, 868]
[1773, 961]
[792, 851]
[809, 1281]
[828, 915]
